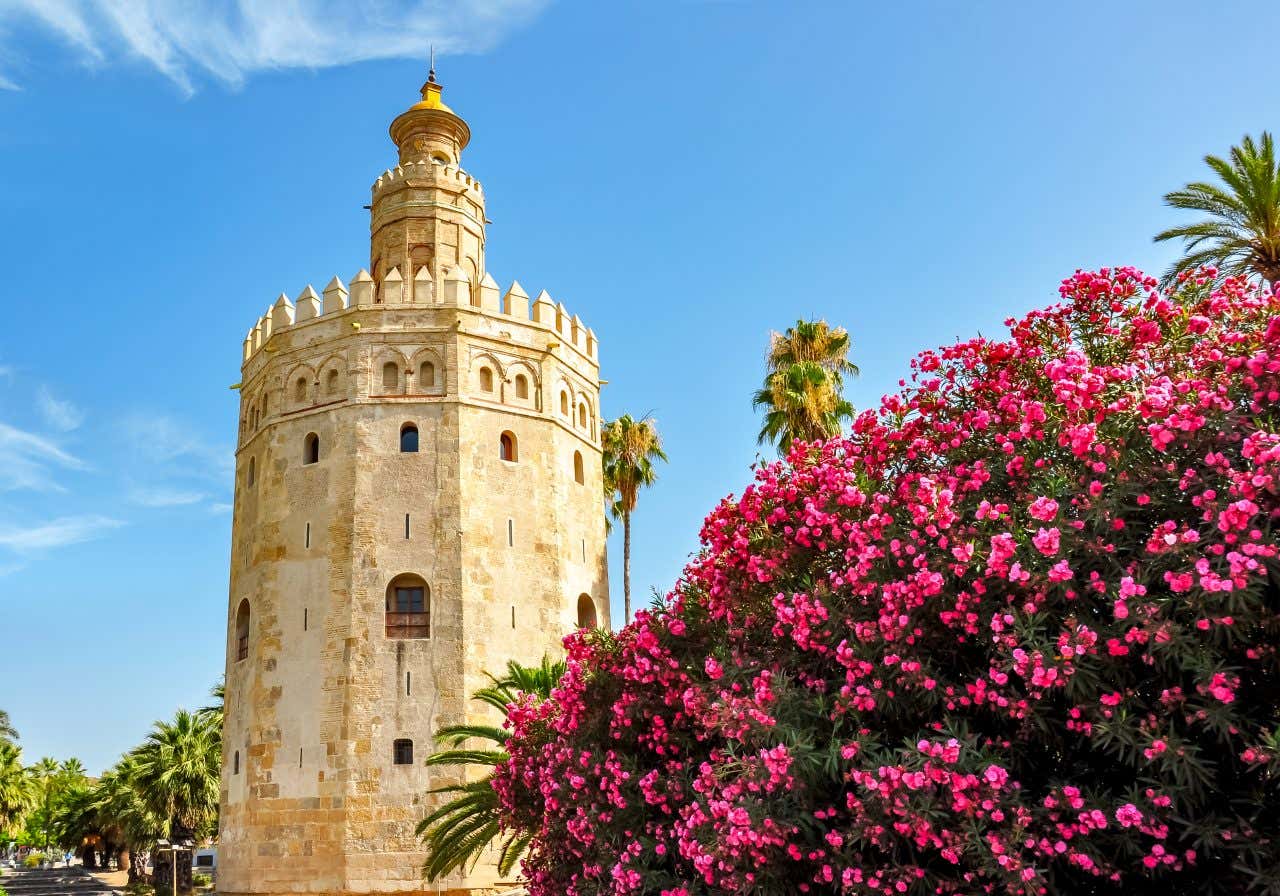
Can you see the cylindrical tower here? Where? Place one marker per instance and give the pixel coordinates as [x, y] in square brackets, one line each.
[418, 499]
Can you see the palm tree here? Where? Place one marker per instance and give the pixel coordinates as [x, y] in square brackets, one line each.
[458, 833]
[44, 776]
[631, 447]
[219, 693]
[17, 790]
[7, 731]
[803, 391]
[813, 341]
[1241, 235]
[178, 770]
[124, 817]
[800, 403]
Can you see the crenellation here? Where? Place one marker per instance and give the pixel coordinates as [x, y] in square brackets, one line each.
[457, 286]
[544, 310]
[424, 287]
[306, 305]
[489, 295]
[335, 297]
[515, 302]
[392, 288]
[362, 288]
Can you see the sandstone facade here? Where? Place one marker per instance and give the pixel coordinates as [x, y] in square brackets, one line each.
[497, 517]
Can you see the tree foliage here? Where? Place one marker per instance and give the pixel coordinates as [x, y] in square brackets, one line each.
[803, 392]
[631, 448]
[458, 833]
[1241, 235]
[1016, 633]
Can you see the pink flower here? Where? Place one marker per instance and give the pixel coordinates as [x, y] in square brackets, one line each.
[1043, 508]
[1047, 541]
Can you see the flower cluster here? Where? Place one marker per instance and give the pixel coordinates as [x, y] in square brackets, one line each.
[1015, 634]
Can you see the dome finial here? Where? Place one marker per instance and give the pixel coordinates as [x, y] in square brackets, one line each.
[431, 72]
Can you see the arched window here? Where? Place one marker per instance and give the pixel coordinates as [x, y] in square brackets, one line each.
[390, 376]
[427, 375]
[408, 607]
[564, 403]
[331, 382]
[507, 448]
[586, 612]
[250, 475]
[409, 439]
[402, 751]
[300, 389]
[582, 416]
[579, 475]
[311, 448]
[235, 766]
[242, 630]
[486, 379]
[522, 386]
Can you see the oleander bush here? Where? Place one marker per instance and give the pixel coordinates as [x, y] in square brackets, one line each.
[1016, 633]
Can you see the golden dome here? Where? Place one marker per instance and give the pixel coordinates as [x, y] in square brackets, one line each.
[431, 97]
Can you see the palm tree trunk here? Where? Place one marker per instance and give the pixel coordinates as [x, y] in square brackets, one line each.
[137, 866]
[626, 567]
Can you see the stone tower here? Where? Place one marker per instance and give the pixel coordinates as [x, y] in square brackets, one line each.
[418, 499]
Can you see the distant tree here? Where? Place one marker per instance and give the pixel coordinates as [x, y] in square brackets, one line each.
[803, 390]
[17, 791]
[458, 833]
[45, 777]
[631, 448]
[7, 731]
[1241, 235]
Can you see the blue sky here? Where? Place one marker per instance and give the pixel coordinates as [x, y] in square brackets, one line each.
[686, 176]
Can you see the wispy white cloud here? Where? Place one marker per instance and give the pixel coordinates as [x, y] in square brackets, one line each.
[220, 507]
[165, 497]
[56, 533]
[230, 41]
[31, 461]
[60, 414]
[177, 445]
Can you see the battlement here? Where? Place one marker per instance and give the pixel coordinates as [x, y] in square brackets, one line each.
[433, 171]
[395, 293]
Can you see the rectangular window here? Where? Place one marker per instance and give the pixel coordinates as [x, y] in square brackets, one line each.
[299, 757]
[584, 550]
[402, 751]
[308, 537]
[513, 617]
[406, 525]
[304, 619]
[409, 600]
[408, 683]
[511, 533]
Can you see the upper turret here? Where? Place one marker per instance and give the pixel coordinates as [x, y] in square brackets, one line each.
[427, 214]
[429, 130]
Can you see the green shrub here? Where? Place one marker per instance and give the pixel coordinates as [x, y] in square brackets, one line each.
[201, 881]
[33, 860]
